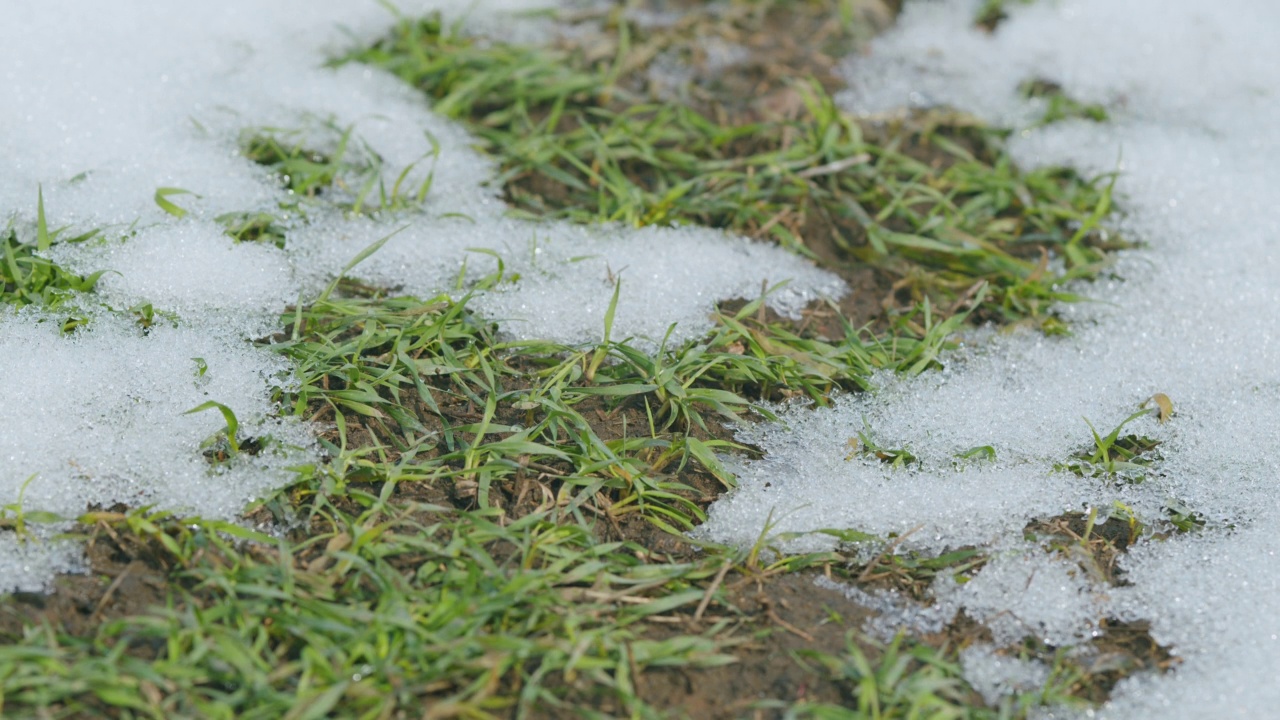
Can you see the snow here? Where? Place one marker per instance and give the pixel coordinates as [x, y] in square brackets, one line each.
[1191, 89]
[98, 417]
[138, 97]
[566, 273]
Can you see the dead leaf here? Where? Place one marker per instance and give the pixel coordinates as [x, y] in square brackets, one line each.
[1164, 407]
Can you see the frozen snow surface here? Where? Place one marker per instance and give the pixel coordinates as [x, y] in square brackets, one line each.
[559, 278]
[140, 96]
[1192, 91]
[137, 97]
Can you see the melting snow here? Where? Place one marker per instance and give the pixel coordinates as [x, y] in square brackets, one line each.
[139, 97]
[1192, 90]
[142, 96]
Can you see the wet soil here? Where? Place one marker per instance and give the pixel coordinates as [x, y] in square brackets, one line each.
[120, 583]
[772, 623]
[780, 618]
[770, 619]
[748, 64]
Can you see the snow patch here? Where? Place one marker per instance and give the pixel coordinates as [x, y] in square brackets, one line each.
[1191, 89]
[138, 98]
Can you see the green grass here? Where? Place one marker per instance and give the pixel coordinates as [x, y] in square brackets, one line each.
[348, 171]
[456, 550]
[320, 164]
[415, 572]
[1059, 106]
[386, 363]
[909, 681]
[379, 608]
[29, 278]
[937, 205]
[992, 12]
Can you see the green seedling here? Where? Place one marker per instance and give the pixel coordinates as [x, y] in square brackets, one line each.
[349, 175]
[16, 517]
[230, 433]
[602, 352]
[28, 278]
[254, 227]
[1126, 458]
[1182, 517]
[305, 172]
[908, 680]
[993, 12]
[162, 199]
[1059, 105]
[981, 452]
[865, 446]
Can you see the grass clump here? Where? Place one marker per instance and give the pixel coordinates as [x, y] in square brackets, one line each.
[374, 608]
[909, 681]
[348, 175]
[934, 205]
[993, 12]
[29, 278]
[1118, 456]
[609, 425]
[1059, 106]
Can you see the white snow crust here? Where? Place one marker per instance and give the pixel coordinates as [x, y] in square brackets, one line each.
[106, 103]
[1192, 91]
[139, 96]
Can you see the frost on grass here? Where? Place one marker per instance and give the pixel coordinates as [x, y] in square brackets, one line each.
[1190, 90]
[137, 127]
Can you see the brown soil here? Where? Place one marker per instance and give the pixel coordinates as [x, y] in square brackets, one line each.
[120, 583]
[1095, 549]
[760, 85]
[770, 618]
[779, 617]
[745, 58]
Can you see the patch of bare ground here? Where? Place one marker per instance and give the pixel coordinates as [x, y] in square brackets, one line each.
[124, 579]
[770, 620]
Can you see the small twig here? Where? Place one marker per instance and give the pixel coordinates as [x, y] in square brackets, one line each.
[711, 589]
[554, 472]
[966, 297]
[834, 167]
[866, 572]
[115, 585]
[768, 225]
[788, 626]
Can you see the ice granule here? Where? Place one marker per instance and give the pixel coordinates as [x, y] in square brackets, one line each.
[995, 675]
[98, 417]
[189, 268]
